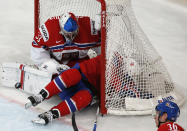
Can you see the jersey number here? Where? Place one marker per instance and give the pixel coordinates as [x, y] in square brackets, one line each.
[172, 127]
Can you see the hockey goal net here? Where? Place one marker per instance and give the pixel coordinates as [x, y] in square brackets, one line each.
[133, 75]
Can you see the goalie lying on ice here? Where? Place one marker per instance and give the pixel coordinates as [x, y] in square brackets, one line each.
[75, 86]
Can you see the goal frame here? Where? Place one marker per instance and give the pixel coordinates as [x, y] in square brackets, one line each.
[36, 15]
[103, 109]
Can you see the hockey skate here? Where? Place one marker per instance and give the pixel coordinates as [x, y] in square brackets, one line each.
[34, 100]
[46, 117]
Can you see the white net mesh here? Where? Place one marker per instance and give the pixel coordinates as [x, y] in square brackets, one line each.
[135, 75]
[51, 8]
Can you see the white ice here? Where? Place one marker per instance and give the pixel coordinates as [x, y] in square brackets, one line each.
[163, 21]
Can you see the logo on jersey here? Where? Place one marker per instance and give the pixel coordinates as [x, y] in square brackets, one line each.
[39, 37]
[44, 33]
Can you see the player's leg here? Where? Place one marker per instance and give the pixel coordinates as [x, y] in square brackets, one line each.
[65, 80]
[78, 101]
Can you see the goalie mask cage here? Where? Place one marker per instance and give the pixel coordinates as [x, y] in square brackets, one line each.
[133, 76]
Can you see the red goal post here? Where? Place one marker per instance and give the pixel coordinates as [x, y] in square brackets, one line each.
[133, 76]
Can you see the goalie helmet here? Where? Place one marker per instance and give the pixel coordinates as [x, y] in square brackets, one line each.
[69, 26]
[170, 108]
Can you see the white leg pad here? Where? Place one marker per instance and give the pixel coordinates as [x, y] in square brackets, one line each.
[32, 79]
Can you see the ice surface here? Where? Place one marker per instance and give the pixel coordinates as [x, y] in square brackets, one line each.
[13, 117]
[164, 22]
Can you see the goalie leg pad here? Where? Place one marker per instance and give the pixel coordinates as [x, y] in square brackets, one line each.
[31, 79]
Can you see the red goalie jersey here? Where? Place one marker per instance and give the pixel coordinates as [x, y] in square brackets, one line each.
[170, 126]
[48, 41]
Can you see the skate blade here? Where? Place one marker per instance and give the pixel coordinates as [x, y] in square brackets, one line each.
[39, 121]
[28, 105]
